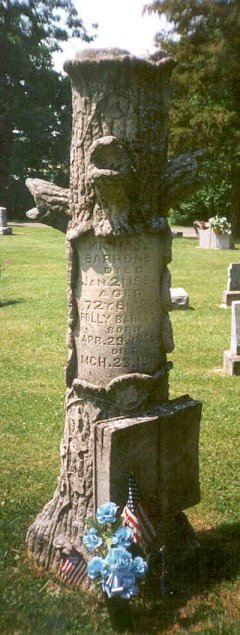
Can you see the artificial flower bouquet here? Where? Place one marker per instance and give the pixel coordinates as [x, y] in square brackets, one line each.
[114, 564]
[220, 224]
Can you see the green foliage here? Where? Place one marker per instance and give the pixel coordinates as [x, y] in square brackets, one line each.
[205, 40]
[93, 522]
[33, 315]
[105, 531]
[210, 200]
[35, 101]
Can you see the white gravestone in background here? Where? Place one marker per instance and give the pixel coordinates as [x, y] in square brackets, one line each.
[235, 330]
[209, 239]
[231, 361]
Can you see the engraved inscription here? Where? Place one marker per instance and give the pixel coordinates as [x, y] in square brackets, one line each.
[119, 306]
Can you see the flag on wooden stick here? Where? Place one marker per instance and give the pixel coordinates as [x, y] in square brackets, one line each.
[73, 569]
[135, 516]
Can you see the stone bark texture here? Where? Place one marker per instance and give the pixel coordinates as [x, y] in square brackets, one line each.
[118, 247]
[52, 204]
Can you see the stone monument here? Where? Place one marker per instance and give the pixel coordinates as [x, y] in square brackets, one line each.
[231, 359]
[4, 229]
[210, 239]
[118, 416]
[232, 293]
[179, 299]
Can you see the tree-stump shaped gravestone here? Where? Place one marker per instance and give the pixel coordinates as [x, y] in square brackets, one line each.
[119, 332]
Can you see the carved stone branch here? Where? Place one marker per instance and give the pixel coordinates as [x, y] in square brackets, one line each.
[52, 204]
[181, 178]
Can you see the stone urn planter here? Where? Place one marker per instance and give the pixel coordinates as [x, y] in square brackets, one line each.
[216, 234]
[214, 239]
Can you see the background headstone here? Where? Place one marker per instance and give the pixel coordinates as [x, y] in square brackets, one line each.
[233, 279]
[179, 299]
[4, 229]
[209, 239]
[231, 360]
[235, 328]
[232, 293]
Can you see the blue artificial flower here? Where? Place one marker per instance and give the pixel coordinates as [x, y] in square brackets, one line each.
[95, 567]
[123, 537]
[120, 584]
[106, 513]
[119, 558]
[139, 567]
[92, 540]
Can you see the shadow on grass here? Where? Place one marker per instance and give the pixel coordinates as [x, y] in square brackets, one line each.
[218, 559]
[31, 610]
[9, 302]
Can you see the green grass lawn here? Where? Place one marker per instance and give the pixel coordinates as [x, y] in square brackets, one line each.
[33, 353]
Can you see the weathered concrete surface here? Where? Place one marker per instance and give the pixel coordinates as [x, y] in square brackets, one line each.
[209, 239]
[231, 359]
[52, 204]
[235, 328]
[169, 437]
[4, 229]
[233, 278]
[231, 363]
[118, 248]
[232, 293]
[228, 297]
[120, 328]
[179, 299]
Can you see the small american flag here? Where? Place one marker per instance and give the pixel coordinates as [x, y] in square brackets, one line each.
[136, 517]
[74, 569]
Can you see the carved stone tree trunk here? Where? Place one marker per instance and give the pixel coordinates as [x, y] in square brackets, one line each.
[118, 245]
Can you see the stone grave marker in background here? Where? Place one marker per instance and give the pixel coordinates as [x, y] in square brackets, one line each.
[4, 229]
[118, 415]
[232, 293]
[210, 239]
[231, 359]
[179, 299]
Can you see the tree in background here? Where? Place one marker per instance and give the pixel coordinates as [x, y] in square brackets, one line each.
[204, 37]
[35, 100]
